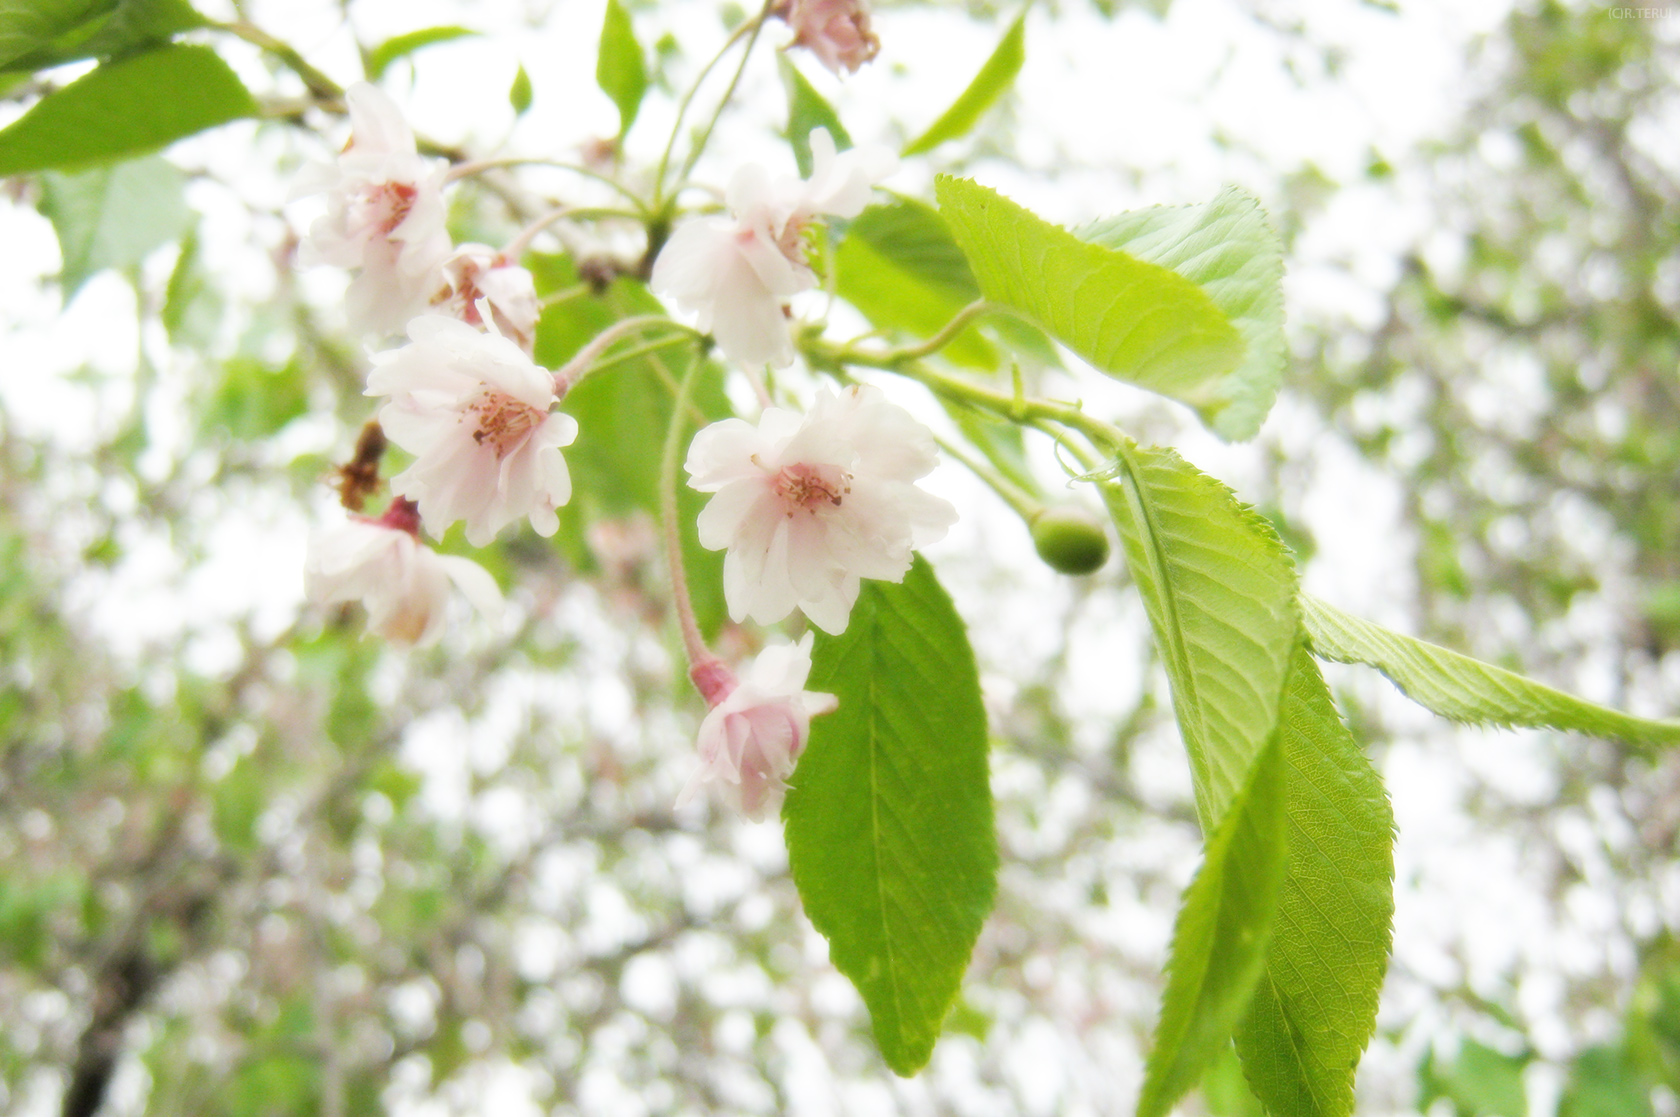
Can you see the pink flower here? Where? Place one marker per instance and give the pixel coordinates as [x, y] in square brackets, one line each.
[757, 727]
[477, 278]
[474, 411]
[385, 215]
[808, 505]
[836, 31]
[403, 584]
[736, 273]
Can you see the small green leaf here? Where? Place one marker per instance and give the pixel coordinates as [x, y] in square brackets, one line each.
[807, 111]
[1220, 940]
[254, 400]
[620, 68]
[1228, 249]
[381, 57]
[982, 93]
[1134, 320]
[1220, 592]
[1467, 690]
[889, 822]
[123, 109]
[900, 267]
[112, 217]
[519, 96]
[1316, 1007]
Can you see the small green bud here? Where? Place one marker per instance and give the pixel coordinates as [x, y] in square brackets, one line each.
[1070, 539]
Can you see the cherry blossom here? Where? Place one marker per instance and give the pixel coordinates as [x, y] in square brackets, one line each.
[737, 272]
[385, 215]
[474, 411]
[477, 278]
[806, 506]
[757, 727]
[403, 584]
[836, 31]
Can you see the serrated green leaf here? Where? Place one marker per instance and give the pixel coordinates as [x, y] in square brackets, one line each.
[1316, 1007]
[1220, 592]
[123, 109]
[112, 217]
[899, 266]
[1134, 320]
[620, 68]
[808, 110]
[995, 76]
[519, 94]
[1220, 940]
[31, 26]
[1228, 249]
[889, 822]
[381, 57]
[1467, 690]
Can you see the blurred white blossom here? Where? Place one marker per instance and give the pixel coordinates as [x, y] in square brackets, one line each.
[808, 505]
[478, 279]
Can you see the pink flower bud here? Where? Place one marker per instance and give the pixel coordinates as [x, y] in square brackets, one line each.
[836, 31]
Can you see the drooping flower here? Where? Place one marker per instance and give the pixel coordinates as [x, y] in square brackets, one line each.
[836, 31]
[474, 411]
[403, 584]
[737, 272]
[385, 215]
[476, 278]
[806, 506]
[757, 727]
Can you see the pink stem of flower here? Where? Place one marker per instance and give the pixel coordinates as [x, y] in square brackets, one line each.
[707, 671]
[577, 368]
[402, 515]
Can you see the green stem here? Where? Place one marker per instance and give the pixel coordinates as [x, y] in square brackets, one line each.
[749, 30]
[479, 166]
[699, 655]
[583, 361]
[321, 87]
[1025, 504]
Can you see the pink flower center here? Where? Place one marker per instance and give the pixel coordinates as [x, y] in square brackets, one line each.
[503, 421]
[386, 205]
[809, 488]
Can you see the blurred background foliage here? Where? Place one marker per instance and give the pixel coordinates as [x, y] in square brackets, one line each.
[259, 867]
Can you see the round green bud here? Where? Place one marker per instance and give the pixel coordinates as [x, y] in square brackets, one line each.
[1070, 539]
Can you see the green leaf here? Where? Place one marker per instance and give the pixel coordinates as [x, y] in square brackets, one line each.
[996, 76]
[1228, 249]
[1480, 1081]
[1220, 593]
[1603, 1082]
[889, 823]
[254, 399]
[620, 69]
[1467, 690]
[808, 111]
[1221, 937]
[519, 94]
[1316, 1007]
[123, 109]
[381, 57]
[1134, 320]
[900, 267]
[112, 217]
[30, 26]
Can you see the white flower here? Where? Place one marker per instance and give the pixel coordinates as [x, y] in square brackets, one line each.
[836, 31]
[403, 584]
[736, 273]
[757, 727]
[474, 411]
[477, 278]
[806, 506]
[385, 215]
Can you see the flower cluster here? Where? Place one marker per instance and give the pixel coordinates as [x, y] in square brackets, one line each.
[737, 272]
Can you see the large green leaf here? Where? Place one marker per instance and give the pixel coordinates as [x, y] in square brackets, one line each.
[111, 217]
[37, 34]
[1228, 249]
[126, 108]
[808, 110]
[1315, 1009]
[1220, 940]
[1220, 592]
[889, 823]
[995, 76]
[1134, 320]
[1467, 690]
[900, 267]
[29, 26]
[620, 68]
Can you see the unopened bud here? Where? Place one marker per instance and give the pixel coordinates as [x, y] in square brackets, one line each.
[1070, 539]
